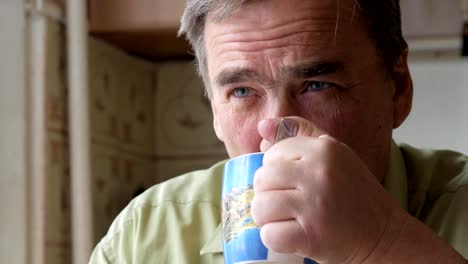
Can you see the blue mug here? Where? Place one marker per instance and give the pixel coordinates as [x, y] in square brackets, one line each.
[241, 236]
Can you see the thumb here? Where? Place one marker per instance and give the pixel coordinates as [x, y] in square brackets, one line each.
[276, 129]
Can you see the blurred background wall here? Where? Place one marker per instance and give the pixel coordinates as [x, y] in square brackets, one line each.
[149, 122]
[13, 161]
[440, 76]
[439, 118]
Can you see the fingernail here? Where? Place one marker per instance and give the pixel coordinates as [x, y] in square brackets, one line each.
[286, 129]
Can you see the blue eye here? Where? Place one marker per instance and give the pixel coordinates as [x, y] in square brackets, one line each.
[242, 92]
[314, 86]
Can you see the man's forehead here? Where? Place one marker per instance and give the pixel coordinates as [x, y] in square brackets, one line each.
[264, 20]
[224, 9]
[314, 25]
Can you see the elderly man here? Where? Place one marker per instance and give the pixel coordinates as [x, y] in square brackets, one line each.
[340, 191]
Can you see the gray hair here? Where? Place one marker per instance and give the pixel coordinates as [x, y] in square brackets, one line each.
[193, 26]
[382, 18]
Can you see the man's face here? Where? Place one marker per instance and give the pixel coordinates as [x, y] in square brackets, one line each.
[311, 59]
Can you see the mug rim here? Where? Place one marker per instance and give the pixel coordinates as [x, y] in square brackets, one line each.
[248, 154]
[244, 155]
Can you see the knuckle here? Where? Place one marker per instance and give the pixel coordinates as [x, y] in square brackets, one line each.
[265, 145]
[324, 176]
[324, 143]
[267, 235]
[254, 211]
[270, 155]
[279, 238]
[257, 215]
[327, 146]
[258, 181]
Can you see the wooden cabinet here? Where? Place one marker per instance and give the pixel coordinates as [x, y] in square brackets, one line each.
[149, 28]
[146, 28]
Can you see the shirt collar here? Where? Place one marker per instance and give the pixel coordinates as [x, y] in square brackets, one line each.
[395, 182]
[214, 244]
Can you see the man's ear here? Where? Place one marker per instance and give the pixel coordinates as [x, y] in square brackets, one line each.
[403, 92]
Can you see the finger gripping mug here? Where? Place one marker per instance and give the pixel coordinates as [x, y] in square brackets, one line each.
[241, 236]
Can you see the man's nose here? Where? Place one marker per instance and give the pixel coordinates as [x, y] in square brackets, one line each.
[282, 106]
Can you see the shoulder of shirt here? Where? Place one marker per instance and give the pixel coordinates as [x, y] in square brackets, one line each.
[435, 171]
[202, 186]
[196, 186]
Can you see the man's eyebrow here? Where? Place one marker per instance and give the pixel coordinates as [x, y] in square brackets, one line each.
[302, 71]
[313, 69]
[238, 75]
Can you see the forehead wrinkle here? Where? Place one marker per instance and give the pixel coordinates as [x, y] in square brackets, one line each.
[281, 27]
[322, 33]
[284, 40]
[275, 33]
[311, 42]
[330, 10]
[308, 9]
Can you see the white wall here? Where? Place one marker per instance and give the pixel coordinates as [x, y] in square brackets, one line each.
[440, 109]
[13, 220]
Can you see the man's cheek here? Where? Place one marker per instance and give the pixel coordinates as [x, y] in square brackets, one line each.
[254, 141]
[246, 137]
[251, 138]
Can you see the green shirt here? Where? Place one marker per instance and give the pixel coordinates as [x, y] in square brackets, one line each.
[179, 221]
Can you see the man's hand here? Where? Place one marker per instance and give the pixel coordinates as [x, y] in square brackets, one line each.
[315, 197]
